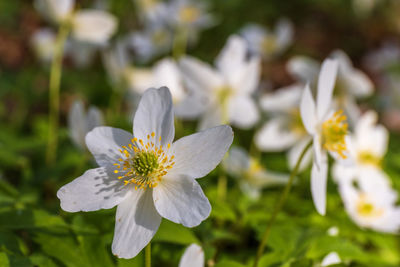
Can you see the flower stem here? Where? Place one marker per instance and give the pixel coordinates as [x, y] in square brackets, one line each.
[222, 187]
[148, 255]
[54, 94]
[180, 42]
[279, 205]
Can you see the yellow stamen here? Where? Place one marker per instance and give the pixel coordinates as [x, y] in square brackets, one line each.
[334, 131]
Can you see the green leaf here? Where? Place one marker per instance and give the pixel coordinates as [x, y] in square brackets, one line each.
[221, 210]
[228, 263]
[4, 262]
[174, 233]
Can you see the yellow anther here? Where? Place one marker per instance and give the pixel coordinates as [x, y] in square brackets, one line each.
[148, 136]
[116, 171]
[334, 131]
[153, 134]
[169, 145]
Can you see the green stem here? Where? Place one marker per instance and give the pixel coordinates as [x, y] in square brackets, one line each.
[148, 255]
[279, 205]
[222, 187]
[180, 42]
[54, 94]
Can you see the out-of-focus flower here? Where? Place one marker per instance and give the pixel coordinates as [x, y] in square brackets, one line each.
[166, 73]
[333, 231]
[366, 148]
[91, 26]
[351, 83]
[228, 88]
[80, 122]
[152, 12]
[192, 257]
[327, 129]
[266, 43]
[331, 259]
[364, 7]
[372, 207]
[151, 42]
[285, 129]
[43, 43]
[249, 172]
[190, 16]
[146, 175]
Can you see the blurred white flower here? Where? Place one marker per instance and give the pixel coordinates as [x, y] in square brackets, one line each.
[80, 122]
[327, 129]
[228, 88]
[364, 7]
[146, 175]
[266, 43]
[351, 83]
[192, 257]
[331, 259]
[333, 231]
[91, 26]
[189, 15]
[152, 12]
[153, 41]
[366, 149]
[116, 61]
[249, 172]
[166, 73]
[371, 206]
[43, 43]
[284, 130]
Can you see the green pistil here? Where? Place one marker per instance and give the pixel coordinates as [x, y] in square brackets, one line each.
[145, 163]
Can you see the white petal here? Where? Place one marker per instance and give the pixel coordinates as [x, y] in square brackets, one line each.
[56, 10]
[136, 223]
[245, 79]
[77, 123]
[155, 114]
[358, 84]
[318, 185]
[191, 107]
[212, 117]
[199, 76]
[326, 84]
[95, 189]
[304, 69]
[180, 199]
[94, 118]
[317, 147]
[308, 111]
[330, 259]
[295, 152]
[232, 56]
[198, 154]
[283, 99]
[243, 112]
[105, 142]
[93, 26]
[284, 33]
[192, 257]
[275, 136]
[237, 161]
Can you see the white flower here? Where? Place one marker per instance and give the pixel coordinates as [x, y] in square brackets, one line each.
[91, 26]
[153, 41]
[43, 43]
[147, 175]
[57, 11]
[351, 83]
[152, 12]
[267, 43]
[371, 206]
[80, 123]
[192, 257]
[228, 89]
[328, 130]
[251, 175]
[166, 73]
[284, 130]
[190, 16]
[366, 148]
[331, 259]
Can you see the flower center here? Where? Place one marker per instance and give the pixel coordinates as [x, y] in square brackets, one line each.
[368, 158]
[189, 14]
[268, 44]
[143, 163]
[334, 131]
[367, 209]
